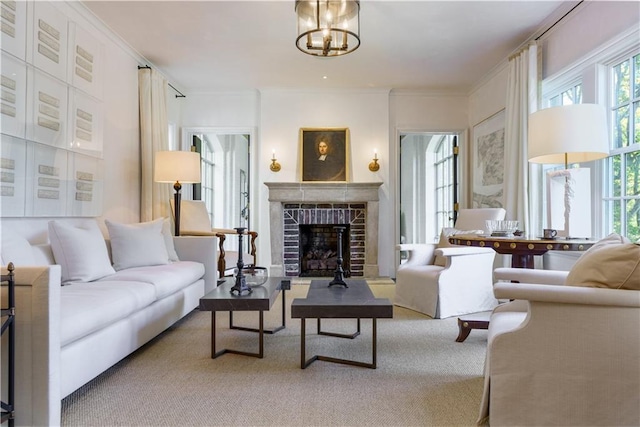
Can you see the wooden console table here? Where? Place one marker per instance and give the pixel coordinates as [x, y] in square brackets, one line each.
[522, 251]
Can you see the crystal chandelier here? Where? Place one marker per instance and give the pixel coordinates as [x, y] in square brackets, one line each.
[328, 27]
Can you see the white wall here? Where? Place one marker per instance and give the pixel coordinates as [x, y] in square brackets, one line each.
[121, 197]
[590, 25]
[283, 113]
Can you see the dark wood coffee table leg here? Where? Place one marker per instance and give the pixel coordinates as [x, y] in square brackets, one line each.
[304, 363]
[466, 325]
[266, 331]
[215, 354]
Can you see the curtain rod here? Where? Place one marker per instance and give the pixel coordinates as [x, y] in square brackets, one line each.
[180, 94]
[561, 18]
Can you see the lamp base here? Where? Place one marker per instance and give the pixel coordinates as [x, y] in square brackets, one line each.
[176, 203]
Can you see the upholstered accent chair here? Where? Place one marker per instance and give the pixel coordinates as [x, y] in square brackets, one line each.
[442, 280]
[565, 350]
[195, 221]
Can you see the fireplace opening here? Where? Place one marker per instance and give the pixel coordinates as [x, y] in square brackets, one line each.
[319, 250]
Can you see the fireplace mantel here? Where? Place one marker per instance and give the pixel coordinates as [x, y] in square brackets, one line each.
[324, 192]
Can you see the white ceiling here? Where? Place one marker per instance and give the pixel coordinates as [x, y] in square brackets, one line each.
[206, 46]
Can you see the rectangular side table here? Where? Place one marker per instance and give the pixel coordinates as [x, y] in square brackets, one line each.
[261, 299]
[336, 302]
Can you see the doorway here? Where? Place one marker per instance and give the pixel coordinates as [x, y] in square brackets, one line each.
[428, 189]
[225, 184]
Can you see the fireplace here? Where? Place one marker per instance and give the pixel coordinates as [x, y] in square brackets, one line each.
[299, 218]
[318, 249]
[353, 205]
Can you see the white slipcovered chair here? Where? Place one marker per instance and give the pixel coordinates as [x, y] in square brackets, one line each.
[458, 283]
[566, 349]
[195, 221]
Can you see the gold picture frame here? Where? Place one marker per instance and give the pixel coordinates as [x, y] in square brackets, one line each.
[324, 154]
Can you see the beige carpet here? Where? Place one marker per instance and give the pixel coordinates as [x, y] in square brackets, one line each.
[424, 378]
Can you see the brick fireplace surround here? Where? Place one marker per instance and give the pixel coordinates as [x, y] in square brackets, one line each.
[294, 203]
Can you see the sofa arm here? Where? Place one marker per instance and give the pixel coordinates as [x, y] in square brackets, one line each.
[417, 253]
[528, 275]
[37, 298]
[201, 249]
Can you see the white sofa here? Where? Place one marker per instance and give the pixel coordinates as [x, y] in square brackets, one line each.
[566, 349]
[68, 335]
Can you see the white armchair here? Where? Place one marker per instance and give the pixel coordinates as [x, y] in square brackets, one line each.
[560, 354]
[462, 284]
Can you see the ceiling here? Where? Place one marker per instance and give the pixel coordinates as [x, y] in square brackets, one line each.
[443, 46]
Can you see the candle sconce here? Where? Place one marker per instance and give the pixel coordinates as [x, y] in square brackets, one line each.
[274, 166]
[374, 166]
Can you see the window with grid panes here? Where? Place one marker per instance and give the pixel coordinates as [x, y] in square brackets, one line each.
[207, 180]
[622, 192]
[444, 182]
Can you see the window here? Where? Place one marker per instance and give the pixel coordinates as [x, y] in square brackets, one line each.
[444, 182]
[207, 159]
[622, 190]
[571, 96]
[609, 75]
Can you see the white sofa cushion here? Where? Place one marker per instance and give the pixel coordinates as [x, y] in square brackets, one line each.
[88, 307]
[80, 250]
[166, 279]
[137, 245]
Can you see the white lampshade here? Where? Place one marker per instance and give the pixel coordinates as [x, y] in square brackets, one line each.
[579, 131]
[177, 166]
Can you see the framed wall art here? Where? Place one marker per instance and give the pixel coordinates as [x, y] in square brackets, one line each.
[324, 154]
[487, 162]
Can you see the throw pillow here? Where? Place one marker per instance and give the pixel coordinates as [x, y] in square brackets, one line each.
[613, 262]
[15, 249]
[444, 242]
[80, 250]
[137, 245]
[168, 240]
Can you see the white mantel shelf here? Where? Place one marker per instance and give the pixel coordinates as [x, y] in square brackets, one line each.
[323, 192]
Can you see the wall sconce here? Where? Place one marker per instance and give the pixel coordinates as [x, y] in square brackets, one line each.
[374, 166]
[274, 166]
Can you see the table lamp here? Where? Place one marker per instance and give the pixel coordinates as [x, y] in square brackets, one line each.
[177, 167]
[562, 135]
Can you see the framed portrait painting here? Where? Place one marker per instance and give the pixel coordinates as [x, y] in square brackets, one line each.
[324, 154]
[488, 162]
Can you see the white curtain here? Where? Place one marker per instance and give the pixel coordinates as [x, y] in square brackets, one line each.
[522, 100]
[154, 136]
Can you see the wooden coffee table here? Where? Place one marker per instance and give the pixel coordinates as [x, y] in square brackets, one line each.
[261, 299]
[336, 302]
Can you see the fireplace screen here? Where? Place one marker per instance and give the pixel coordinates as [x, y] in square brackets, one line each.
[319, 250]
